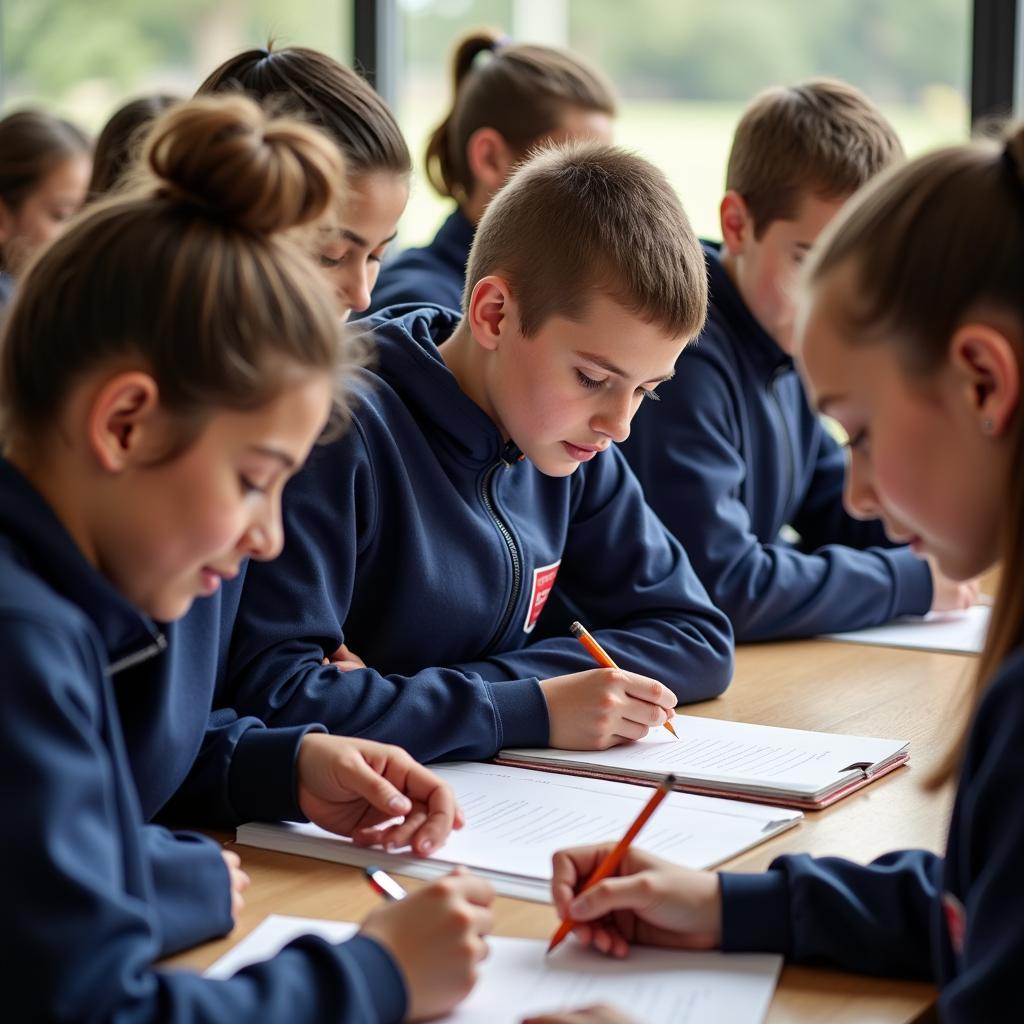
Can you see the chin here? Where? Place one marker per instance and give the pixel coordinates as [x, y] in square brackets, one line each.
[169, 607]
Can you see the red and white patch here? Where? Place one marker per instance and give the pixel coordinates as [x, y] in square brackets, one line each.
[543, 581]
[956, 921]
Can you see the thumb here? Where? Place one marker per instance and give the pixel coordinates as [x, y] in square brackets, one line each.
[380, 794]
[628, 893]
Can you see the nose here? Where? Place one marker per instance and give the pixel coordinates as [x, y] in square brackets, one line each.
[614, 418]
[353, 285]
[858, 492]
[264, 539]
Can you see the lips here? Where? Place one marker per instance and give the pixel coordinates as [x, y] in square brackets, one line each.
[582, 452]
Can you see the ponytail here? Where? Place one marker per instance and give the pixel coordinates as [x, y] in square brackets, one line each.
[521, 91]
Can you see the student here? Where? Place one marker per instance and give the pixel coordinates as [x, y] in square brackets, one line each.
[166, 365]
[44, 172]
[919, 354]
[479, 478]
[733, 454]
[119, 143]
[320, 90]
[508, 98]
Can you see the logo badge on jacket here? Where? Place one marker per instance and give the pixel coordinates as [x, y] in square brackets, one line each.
[543, 581]
[956, 921]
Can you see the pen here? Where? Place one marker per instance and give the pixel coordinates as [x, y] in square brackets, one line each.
[600, 655]
[614, 859]
[381, 882]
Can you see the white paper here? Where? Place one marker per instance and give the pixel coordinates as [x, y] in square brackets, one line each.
[516, 819]
[657, 986]
[950, 632]
[709, 751]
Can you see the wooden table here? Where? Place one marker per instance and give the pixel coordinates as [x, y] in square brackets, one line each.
[821, 685]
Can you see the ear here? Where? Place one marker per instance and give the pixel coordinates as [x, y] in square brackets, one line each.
[490, 159]
[736, 222]
[492, 311]
[121, 421]
[988, 367]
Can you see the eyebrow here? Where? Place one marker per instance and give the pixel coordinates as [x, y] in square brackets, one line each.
[274, 453]
[351, 236]
[612, 368]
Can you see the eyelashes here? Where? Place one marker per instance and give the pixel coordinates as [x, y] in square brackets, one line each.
[590, 384]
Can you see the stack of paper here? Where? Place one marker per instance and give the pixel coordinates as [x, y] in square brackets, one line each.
[517, 819]
[791, 767]
[657, 986]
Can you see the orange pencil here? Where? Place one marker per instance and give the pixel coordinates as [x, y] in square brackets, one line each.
[600, 655]
[614, 859]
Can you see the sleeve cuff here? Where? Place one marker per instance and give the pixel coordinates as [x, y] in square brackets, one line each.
[382, 977]
[913, 577]
[755, 913]
[262, 784]
[522, 713]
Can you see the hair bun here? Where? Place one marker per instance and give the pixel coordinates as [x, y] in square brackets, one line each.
[226, 156]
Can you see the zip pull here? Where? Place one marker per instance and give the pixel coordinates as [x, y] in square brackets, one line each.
[511, 453]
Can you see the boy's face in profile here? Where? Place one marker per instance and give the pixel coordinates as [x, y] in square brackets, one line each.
[764, 269]
[572, 389]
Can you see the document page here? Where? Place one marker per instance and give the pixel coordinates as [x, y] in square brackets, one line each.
[516, 819]
[733, 753]
[656, 986]
[950, 632]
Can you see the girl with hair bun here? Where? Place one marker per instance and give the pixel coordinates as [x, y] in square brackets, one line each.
[507, 99]
[323, 92]
[165, 367]
[910, 332]
[44, 174]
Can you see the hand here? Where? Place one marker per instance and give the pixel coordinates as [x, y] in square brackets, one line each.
[601, 1013]
[602, 707]
[239, 882]
[949, 595]
[436, 937]
[352, 787]
[650, 901]
[344, 660]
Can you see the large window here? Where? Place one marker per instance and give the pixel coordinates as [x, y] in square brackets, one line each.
[83, 58]
[685, 69]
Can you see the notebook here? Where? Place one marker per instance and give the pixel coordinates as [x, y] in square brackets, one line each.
[763, 763]
[657, 986]
[949, 632]
[516, 819]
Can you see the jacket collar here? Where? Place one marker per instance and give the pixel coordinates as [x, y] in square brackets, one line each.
[407, 360]
[43, 545]
[454, 238]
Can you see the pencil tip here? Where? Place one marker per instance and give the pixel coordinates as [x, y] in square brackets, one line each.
[670, 781]
[576, 628]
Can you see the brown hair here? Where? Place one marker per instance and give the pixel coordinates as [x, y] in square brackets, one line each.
[931, 244]
[584, 216]
[119, 144]
[820, 136]
[315, 87]
[32, 144]
[194, 275]
[521, 91]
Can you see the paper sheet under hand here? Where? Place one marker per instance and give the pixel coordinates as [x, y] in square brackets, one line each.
[656, 986]
[949, 632]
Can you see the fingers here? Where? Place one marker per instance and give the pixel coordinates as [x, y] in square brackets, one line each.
[429, 792]
[631, 892]
[643, 688]
[569, 869]
[377, 790]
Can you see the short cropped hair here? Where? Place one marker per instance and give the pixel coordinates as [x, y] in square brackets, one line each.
[583, 217]
[821, 136]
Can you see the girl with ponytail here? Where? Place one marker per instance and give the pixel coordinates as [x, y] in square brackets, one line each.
[910, 332]
[165, 366]
[507, 99]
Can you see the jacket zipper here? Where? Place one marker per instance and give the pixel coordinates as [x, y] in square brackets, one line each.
[158, 646]
[791, 479]
[510, 455]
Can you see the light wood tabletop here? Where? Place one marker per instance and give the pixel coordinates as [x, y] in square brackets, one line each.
[816, 684]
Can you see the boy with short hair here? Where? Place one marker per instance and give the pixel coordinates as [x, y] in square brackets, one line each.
[479, 476]
[733, 454]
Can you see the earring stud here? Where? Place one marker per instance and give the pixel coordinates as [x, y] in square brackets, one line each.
[987, 425]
